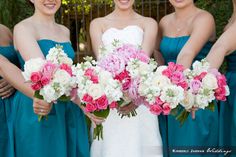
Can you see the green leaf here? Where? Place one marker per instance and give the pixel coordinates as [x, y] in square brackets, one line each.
[211, 106]
[182, 117]
[37, 95]
[102, 113]
[64, 98]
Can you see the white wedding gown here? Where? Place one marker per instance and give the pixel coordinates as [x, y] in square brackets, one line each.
[137, 136]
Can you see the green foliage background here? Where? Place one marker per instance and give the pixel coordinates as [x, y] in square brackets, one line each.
[13, 11]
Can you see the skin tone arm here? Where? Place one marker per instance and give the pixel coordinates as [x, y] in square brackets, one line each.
[10, 72]
[203, 27]
[224, 46]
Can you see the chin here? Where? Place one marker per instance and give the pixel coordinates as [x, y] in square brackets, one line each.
[124, 4]
[180, 3]
[48, 7]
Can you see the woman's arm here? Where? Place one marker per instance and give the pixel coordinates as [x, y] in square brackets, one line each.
[96, 35]
[203, 29]
[224, 46]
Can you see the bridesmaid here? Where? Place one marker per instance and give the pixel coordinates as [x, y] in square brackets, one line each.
[185, 36]
[6, 92]
[65, 132]
[226, 46]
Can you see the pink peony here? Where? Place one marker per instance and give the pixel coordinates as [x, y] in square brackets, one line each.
[87, 98]
[35, 77]
[156, 109]
[49, 69]
[113, 105]
[67, 68]
[90, 107]
[195, 85]
[45, 80]
[166, 109]
[102, 102]
[36, 86]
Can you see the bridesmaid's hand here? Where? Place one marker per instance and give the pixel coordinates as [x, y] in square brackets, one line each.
[125, 110]
[41, 107]
[94, 119]
[6, 90]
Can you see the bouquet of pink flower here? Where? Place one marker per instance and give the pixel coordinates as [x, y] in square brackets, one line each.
[127, 63]
[163, 90]
[51, 79]
[97, 90]
[204, 86]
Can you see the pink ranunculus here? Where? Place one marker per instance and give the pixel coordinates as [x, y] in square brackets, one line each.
[36, 86]
[45, 80]
[94, 79]
[87, 98]
[201, 76]
[35, 77]
[177, 77]
[183, 84]
[67, 68]
[49, 69]
[113, 105]
[158, 101]
[102, 102]
[90, 107]
[220, 93]
[167, 72]
[166, 109]
[156, 109]
[221, 80]
[195, 85]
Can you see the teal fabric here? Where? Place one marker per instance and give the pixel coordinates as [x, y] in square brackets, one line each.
[64, 134]
[6, 147]
[200, 132]
[228, 108]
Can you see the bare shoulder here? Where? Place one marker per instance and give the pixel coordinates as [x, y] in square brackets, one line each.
[203, 17]
[24, 27]
[64, 30]
[150, 21]
[97, 22]
[4, 30]
[165, 20]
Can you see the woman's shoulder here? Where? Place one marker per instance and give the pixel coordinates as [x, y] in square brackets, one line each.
[166, 20]
[23, 27]
[63, 29]
[6, 35]
[98, 21]
[203, 17]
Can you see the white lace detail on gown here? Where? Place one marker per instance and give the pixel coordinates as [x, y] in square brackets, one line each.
[128, 137]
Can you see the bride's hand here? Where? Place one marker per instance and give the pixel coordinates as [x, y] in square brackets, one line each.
[94, 119]
[125, 110]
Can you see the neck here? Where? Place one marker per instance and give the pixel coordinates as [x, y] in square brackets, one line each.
[184, 13]
[44, 19]
[234, 7]
[124, 14]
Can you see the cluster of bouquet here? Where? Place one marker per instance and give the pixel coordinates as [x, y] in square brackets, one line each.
[97, 90]
[51, 78]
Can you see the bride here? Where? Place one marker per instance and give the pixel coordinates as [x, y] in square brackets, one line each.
[137, 136]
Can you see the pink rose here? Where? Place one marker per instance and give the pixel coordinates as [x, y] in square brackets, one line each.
[45, 80]
[87, 98]
[166, 109]
[90, 107]
[177, 77]
[179, 67]
[195, 85]
[155, 109]
[36, 86]
[125, 79]
[67, 68]
[158, 101]
[201, 76]
[113, 105]
[35, 77]
[183, 84]
[221, 80]
[167, 72]
[102, 102]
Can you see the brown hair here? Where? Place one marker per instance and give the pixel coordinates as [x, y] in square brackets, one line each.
[30, 3]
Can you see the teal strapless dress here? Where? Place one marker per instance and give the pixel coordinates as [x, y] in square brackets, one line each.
[64, 134]
[228, 108]
[6, 147]
[198, 133]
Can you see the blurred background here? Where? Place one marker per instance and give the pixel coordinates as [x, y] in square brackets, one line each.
[77, 15]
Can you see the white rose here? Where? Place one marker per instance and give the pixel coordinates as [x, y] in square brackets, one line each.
[62, 77]
[32, 65]
[161, 81]
[201, 101]
[48, 93]
[188, 101]
[95, 90]
[160, 69]
[209, 81]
